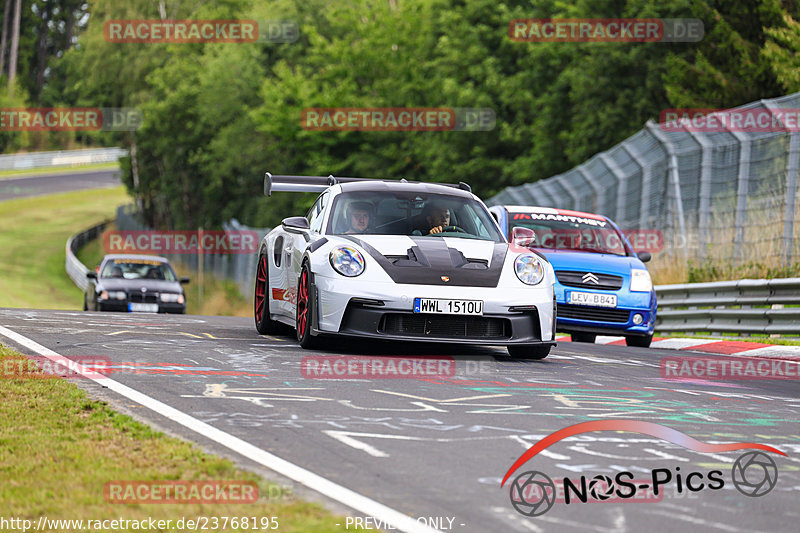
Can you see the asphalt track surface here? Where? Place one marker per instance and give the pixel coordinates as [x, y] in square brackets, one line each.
[56, 183]
[438, 447]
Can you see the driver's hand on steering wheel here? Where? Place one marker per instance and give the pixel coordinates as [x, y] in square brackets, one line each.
[435, 229]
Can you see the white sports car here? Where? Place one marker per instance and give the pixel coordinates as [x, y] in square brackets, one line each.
[401, 260]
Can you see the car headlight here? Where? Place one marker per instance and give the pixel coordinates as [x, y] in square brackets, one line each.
[347, 261]
[529, 269]
[172, 297]
[113, 295]
[640, 281]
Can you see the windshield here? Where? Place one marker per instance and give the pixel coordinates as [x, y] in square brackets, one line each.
[571, 232]
[411, 213]
[138, 269]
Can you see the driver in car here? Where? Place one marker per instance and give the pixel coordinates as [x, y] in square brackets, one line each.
[358, 216]
[437, 216]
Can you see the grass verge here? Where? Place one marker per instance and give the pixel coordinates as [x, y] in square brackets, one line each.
[9, 174]
[213, 296]
[58, 449]
[763, 339]
[34, 233]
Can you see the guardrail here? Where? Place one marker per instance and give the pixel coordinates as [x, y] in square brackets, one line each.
[75, 269]
[60, 158]
[746, 306]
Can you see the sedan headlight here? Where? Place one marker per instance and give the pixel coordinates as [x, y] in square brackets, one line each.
[347, 261]
[113, 295]
[640, 281]
[529, 269]
[171, 297]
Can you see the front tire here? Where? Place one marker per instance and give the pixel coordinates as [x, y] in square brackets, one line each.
[639, 341]
[305, 310]
[264, 324]
[584, 337]
[529, 351]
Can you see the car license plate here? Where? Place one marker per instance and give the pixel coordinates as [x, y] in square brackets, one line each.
[592, 298]
[448, 307]
[142, 308]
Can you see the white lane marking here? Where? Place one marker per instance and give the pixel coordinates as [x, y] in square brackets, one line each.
[679, 344]
[422, 407]
[696, 521]
[604, 339]
[305, 477]
[619, 519]
[772, 351]
[547, 453]
[517, 519]
[441, 401]
[345, 438]
[577, 526]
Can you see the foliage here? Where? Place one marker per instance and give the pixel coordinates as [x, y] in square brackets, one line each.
[217, 116]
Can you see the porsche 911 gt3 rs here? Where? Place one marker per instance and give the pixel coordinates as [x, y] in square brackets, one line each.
[403, 261]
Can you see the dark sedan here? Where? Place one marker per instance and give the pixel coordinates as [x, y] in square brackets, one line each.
[135, 283]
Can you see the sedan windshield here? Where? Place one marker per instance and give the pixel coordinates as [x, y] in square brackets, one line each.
[571, 232]
[138, 269]
[411, 213]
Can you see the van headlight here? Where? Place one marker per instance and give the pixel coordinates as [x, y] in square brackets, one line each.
[529, 269]
[347, 261]
[640, 280]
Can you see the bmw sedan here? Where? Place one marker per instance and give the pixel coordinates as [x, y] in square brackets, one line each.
[135, 284]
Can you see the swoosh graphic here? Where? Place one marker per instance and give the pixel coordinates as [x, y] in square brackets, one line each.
[635, 426]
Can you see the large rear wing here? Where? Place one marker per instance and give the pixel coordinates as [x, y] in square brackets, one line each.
[275, 183]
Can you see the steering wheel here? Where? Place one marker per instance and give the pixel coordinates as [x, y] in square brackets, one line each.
[447, 229]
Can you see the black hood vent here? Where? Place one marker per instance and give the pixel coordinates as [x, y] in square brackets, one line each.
[430, 261]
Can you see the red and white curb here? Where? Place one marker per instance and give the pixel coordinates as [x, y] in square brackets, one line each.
[738, 348]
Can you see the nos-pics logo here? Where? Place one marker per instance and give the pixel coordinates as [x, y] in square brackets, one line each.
[533, 493]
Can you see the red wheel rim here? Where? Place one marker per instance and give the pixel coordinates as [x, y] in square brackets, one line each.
[302, 304]
[261, 288]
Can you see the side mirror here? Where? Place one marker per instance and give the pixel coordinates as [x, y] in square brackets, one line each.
[524, 237]
[299, 224]
[644, 256]
[91, 275]
[184, 281]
